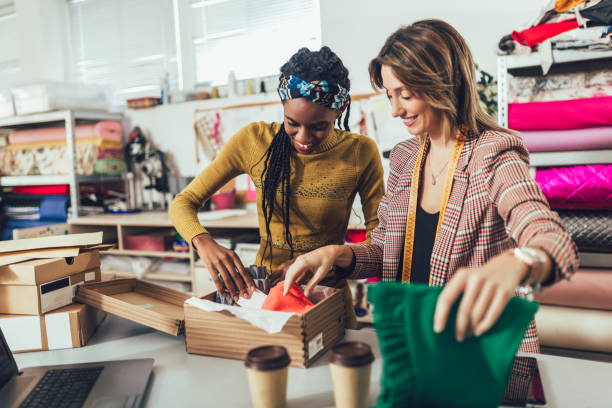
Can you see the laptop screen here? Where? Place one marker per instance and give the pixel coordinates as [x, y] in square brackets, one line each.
[8, 367]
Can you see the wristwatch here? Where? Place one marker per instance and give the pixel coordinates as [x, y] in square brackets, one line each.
[534, 260]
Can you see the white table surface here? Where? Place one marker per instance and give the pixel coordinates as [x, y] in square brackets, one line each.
[188, 380]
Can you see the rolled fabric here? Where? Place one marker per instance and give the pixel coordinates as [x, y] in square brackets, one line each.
[568, 140]
[590, 230]
[557, 87]
[580, 329]
[106, 129]
[577, 187]
[587, 288]
[561, 115]
[535, 35]
[542, 95]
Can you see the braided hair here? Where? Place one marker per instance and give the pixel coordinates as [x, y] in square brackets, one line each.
[310, 66]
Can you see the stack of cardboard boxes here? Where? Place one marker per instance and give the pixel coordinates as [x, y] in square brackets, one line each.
[38, 281]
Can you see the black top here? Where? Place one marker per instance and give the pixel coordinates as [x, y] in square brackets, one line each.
[424, 237]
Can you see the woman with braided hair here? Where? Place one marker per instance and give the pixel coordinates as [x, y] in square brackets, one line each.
[306, 172]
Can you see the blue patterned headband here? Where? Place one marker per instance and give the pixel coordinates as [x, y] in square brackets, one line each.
[320, 92]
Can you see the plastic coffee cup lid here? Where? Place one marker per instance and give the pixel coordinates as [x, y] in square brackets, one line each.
[267, 358]
[351, 354]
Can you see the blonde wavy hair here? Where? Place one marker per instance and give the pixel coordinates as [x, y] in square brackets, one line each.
[433, 61]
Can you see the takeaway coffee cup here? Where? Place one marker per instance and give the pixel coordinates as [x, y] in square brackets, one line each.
[267, 368]
[350, 365]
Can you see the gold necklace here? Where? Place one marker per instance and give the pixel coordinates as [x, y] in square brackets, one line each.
[435, 178]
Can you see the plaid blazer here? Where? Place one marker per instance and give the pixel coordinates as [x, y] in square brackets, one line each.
[494, 205]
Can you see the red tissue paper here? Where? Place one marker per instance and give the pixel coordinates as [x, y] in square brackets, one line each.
[295, 301]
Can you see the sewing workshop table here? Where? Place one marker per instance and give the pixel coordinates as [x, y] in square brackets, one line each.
[188, 380]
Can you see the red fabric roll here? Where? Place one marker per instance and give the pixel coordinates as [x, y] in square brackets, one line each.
[535, 35]
[577, 187]
[588, 288]
[561, 115]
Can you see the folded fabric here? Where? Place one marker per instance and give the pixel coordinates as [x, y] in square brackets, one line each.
[561, 115]
[96, 141]
[566, 5]
[295, 301]
[600, 13]
[17, 162]
[570, 327]
[475, 371]
[110, 154]
[107, 129]
[556, 87]
[590, 230]
[53, 207]
[109, 167]
[587, 288]
[577, 187]
[51, 189]
[563, 94]
[568, 140]
[535, 35]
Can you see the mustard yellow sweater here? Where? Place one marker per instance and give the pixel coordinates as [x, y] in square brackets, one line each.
[323, 187]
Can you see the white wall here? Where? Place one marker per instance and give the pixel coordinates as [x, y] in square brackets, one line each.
[356, 29]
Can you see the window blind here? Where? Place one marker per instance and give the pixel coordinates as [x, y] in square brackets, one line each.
[253, 38]
[9, 47]
[126, 44]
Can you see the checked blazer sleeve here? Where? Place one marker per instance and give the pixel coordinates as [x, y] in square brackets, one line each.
[520, 203]
[369, 256]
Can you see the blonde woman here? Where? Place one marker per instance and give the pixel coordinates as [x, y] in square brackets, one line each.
[461, 209]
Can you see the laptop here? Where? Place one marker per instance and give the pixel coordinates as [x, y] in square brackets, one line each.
[107, 384]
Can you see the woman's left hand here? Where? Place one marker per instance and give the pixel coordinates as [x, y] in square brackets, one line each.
[486, 291]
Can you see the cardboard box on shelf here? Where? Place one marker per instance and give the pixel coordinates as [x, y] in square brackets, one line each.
[45, 296]
[306, 336]
[70, 326]
[142, 302]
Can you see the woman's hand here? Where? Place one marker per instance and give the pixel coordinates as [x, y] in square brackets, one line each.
[280, 272]
[222, 261]
[318, 263]
[486, 291]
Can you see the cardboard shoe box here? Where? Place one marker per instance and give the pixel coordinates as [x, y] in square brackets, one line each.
[42, 285]
[306, 336]
[70, 326]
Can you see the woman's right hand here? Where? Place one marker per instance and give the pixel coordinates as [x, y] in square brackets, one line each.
[222, 261]
[319, 263]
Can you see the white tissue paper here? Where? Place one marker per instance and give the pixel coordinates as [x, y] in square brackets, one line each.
[271, 322]
[255, 302]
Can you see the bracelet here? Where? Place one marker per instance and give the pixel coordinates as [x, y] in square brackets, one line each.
[534, 260]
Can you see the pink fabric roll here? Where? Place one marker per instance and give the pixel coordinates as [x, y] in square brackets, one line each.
[107, 129]
[588, 288]
[577, 187]
[567, 140]
[561, 115]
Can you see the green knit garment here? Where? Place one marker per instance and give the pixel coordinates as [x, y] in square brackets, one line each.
[422, 368]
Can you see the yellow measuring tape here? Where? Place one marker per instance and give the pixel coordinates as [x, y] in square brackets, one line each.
[414, 199]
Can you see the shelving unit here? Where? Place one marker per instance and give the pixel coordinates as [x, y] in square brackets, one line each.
[69, 117]
[116, 227]
[521, 64]
[509, 63]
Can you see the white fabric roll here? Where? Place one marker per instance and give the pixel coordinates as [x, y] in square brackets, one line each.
[581, 329]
